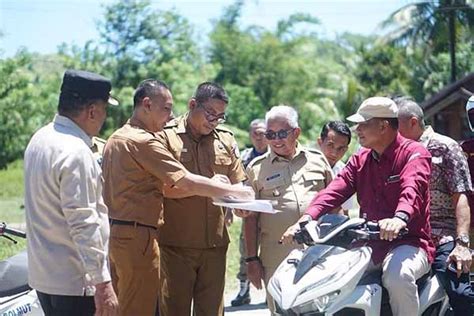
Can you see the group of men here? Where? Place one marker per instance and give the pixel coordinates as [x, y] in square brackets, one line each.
[140, 235]
[405, 176]
[150, 180]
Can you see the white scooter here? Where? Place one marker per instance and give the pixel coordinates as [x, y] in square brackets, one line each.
[16, 297]
[328, 278]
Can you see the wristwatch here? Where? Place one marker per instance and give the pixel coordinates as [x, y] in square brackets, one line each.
[402, 215]
[253, 258]
[463, 240]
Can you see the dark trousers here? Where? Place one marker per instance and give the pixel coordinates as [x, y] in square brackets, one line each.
[458, 289]
[56, 305]
[242, 274]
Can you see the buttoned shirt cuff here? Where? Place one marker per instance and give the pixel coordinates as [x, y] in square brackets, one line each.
[100, 276]
[314, 213]
[407, 208]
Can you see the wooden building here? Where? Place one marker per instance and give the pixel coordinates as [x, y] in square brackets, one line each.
[445, 110]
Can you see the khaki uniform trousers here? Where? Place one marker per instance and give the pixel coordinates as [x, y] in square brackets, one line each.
[134, 253]
[196, 275]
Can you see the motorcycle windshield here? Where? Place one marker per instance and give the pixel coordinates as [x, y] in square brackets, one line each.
[313, 256]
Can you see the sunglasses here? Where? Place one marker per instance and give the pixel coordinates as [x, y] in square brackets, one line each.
[281, 134]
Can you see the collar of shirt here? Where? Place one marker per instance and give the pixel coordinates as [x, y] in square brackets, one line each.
[181, 123]
[255, 153]
[427, 135]
[139, 126]
[67, 122]
[389, 152]
[274, 157]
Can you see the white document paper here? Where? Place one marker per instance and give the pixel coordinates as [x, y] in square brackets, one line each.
[263, 206]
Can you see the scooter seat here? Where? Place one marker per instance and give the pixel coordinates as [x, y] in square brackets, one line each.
[14, 275]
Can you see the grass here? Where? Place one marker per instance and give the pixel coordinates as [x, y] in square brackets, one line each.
[11, 205]
[12, 211]
[233, 256]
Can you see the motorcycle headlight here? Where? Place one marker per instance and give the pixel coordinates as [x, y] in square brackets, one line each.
[321, 303]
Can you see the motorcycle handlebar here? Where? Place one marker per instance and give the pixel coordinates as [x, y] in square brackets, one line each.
[369, 231]
[4, 230]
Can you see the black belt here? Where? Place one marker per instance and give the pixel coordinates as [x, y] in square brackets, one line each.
[129, 223]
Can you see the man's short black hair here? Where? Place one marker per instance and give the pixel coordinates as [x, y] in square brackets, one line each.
[393, 122]
[72, 106]
[338, 127]
[148, 88]
[210, 90]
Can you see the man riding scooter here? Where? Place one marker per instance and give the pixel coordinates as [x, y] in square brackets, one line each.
[391, 177]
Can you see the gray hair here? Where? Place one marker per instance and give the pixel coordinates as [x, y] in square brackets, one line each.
[408, 108]
[283, 111]
[256, 123]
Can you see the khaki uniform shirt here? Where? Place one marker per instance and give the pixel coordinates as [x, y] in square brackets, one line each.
[194, 222]
[135, 166]
[98, 145]
[291, 185]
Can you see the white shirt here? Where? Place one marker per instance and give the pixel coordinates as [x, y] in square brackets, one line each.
[66, 218]
[351, 203]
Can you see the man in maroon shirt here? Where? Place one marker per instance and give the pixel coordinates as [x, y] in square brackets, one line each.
[391, 178]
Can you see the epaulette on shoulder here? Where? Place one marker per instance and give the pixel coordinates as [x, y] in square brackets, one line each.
[313, 150]
[98, 140]
[223, 128]
[171, 124]
[257, 160]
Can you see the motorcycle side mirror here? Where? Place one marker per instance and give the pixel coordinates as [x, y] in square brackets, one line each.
[303, 224]
[313, 230]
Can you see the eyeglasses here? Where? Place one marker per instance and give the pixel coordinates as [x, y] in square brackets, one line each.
[281, 134]
[210, 117]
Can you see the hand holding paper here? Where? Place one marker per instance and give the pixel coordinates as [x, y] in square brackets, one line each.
[263, 206]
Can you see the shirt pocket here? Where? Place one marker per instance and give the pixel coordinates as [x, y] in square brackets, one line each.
[222, 163]
[314, 181]
[273, 190]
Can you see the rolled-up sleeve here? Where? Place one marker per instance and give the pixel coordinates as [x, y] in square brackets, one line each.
[159, 161]
[79, 178]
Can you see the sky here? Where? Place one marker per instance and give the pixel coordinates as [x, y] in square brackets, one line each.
[42, 25]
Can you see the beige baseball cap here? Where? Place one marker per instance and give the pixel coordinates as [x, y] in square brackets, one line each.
[375, 107]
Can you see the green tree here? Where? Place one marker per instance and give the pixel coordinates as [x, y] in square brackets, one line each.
[28, 100]
[433, 25]
[383, 70]
[137, 35]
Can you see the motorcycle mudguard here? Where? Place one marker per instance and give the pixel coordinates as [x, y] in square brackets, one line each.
[21, 304]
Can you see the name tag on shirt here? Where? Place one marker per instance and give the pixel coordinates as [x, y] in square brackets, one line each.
[437, 160]
[393, 179]
[273, 177]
